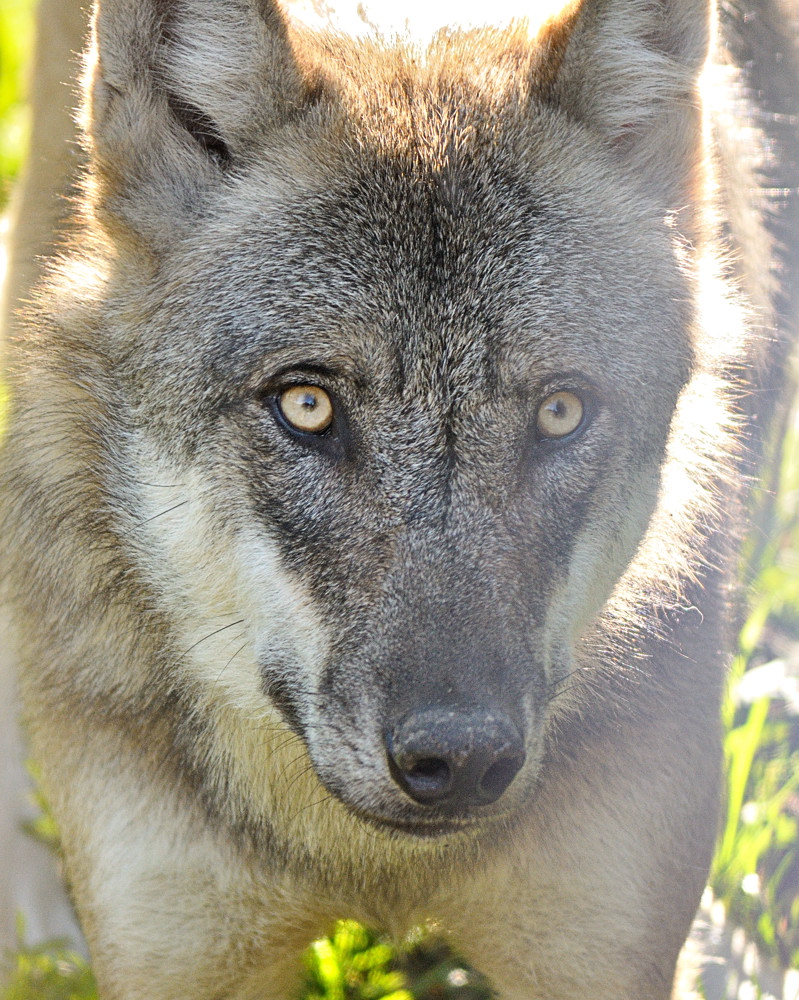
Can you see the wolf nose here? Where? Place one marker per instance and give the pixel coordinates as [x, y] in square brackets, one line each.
[456, 757]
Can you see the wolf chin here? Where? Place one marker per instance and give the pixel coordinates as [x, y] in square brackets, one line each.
[372, 488]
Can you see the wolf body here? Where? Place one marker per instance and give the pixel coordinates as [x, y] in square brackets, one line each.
[372, 492]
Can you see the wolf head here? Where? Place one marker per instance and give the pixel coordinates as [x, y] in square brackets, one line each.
[392, 340]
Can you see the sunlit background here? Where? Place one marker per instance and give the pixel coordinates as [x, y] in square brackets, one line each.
[418, 19]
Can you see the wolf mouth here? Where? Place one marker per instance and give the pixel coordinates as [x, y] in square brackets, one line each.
[421, 828]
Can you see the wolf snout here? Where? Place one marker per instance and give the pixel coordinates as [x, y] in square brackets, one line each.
[454, 757]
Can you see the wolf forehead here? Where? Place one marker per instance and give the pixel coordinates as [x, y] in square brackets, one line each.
[417, 256]
[439, 215]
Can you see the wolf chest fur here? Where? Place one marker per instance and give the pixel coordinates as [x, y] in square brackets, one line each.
[370, 494]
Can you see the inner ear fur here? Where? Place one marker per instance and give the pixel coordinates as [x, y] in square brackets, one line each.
[178, 91]
[629, 70]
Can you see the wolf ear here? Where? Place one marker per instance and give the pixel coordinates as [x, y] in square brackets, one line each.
[179, 91]
[629, 70]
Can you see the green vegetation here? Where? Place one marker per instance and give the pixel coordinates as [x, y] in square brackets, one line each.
[354, 964]
[16, 31]
[756, 870]
[52, 971]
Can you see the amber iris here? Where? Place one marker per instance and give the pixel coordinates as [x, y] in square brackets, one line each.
[306, 408]
[559, 415]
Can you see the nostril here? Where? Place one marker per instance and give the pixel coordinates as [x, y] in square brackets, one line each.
[425, 778]
[429, 778]
[497, 778]
[431, 769]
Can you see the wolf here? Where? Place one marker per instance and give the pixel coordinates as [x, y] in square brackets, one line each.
[374, 480]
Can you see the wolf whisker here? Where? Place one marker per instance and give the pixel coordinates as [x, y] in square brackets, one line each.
[161, 513]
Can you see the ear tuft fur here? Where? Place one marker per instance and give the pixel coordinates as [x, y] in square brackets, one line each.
[629, 70]
[178, 92]
[203, 130]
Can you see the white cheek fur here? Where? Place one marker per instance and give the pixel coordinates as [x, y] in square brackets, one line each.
[234, 600]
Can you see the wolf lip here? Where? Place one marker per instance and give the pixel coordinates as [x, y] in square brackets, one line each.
[420, 827]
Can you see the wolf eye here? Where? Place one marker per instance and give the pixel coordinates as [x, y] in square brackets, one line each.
[306, 408]
[559, 415]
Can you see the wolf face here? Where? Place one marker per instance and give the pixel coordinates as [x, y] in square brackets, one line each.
[410, 389]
